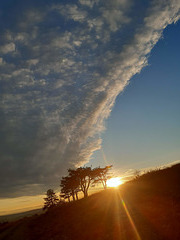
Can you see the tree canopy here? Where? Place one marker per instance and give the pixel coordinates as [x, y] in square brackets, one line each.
[81, 179]
[51, 200]
[101, 175]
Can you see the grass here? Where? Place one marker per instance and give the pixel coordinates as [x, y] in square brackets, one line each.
[146, 208]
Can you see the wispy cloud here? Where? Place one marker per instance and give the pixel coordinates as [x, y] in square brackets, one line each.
[62, 67]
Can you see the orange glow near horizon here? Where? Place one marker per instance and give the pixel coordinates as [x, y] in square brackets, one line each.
[114, 182]
[20, 204]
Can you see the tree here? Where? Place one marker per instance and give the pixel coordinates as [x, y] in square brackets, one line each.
[81, 178]
[65, 196]
[51, 200]
[70, 186]
[101, 175]
[78, 180]
[65, 190]
[85, 177]
[74, 183]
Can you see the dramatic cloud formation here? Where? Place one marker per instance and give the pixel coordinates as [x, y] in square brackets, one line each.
[62, 66]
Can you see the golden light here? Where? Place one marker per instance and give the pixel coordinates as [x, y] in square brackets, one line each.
[114, 182]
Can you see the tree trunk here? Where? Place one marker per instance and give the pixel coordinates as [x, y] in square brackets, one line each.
[85, 194]
[73, 196]
[76, 196]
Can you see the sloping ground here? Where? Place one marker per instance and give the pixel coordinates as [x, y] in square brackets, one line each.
[147, 208]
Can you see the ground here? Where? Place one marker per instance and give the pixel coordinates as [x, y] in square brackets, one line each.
[147, 208]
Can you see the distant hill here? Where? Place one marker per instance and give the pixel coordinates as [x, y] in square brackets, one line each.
[17, 216]
[147, 208]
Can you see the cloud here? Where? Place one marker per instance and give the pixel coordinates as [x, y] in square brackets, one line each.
[71, 11]
[7, 48]
[60, 76]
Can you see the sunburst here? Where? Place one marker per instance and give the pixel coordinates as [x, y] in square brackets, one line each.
[114, 182]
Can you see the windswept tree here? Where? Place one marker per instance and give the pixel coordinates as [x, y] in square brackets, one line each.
[85, 176]
[75, 183]
[65, 190]
[69, 186]
[81, 179]
[78, 179]
[51, 200]
[101, 175]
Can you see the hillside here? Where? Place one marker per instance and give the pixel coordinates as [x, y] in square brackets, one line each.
[147, 208]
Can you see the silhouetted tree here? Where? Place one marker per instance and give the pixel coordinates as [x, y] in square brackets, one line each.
[61, 199]
[51, 200]
[85, 177]
[75, 183]
[101, 175]
[81, 178]
[65, 196]
[69, 186]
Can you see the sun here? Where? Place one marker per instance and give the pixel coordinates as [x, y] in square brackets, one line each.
[114, 182]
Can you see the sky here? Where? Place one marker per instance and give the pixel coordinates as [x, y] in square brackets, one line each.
[85, 82]
[143, 130]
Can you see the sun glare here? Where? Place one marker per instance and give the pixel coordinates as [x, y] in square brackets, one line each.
[114, 182]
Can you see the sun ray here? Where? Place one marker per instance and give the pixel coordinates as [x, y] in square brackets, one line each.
[130, 218]
[118, 232]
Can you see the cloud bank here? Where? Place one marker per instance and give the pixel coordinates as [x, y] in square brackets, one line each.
[62, 66]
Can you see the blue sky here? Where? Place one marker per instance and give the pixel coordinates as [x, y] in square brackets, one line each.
[143, 130]
[83, 76]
